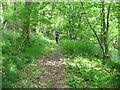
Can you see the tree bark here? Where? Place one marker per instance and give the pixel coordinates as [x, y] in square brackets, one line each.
[26, 25]
[103, 27]
[119, 30]
[1, 17]
[15, 17]
[106, 34]
[102, 23]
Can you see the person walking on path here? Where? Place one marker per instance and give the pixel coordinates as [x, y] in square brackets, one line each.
[56, 37]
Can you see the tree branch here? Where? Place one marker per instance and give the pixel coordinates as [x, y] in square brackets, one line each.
[94, 31]
[108, 14]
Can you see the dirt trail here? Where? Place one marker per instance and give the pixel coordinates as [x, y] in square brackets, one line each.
[54, 73]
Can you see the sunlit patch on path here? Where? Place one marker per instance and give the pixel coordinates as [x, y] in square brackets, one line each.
[54, 73]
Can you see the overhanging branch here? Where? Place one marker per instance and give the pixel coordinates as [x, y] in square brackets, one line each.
[94, 31]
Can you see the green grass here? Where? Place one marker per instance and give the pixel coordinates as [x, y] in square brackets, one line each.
[29, 76]
[78, 48]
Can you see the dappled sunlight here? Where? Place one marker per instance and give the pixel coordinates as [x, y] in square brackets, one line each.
[85, 61]
[59, 44]
[54, 63]
[91, 71]
[72, 64]
[60, 62]
[54, 72]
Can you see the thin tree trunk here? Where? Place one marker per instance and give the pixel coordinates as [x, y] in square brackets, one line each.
[15, 17]
[95, 35]
[103, 24]
[4, 22]
[102, 27]
[119, 31]
[1, 17]
[106, 34]
[94, 32]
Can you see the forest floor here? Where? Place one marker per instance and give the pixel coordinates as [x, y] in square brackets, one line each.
[51, 75]
[54, 73]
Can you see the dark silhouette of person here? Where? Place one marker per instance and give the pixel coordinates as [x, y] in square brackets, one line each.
[56, 37]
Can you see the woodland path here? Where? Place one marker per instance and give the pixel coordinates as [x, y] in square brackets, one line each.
[47, 72]
[54, 73]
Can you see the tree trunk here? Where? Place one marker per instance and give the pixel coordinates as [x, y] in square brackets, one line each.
[15, 17]
[1, 17]
[106, 34]
[99, 41]
[118, 31]
[102, 14]
[103, 28]
[26, 25]
[38, 23]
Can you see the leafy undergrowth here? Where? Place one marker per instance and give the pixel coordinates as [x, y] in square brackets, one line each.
[16, 55]
[78, 48]
[86, 67]
[91, 73]
[30, 77]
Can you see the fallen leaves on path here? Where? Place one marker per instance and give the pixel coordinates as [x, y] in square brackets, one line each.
[47, 72]
[54, 73]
